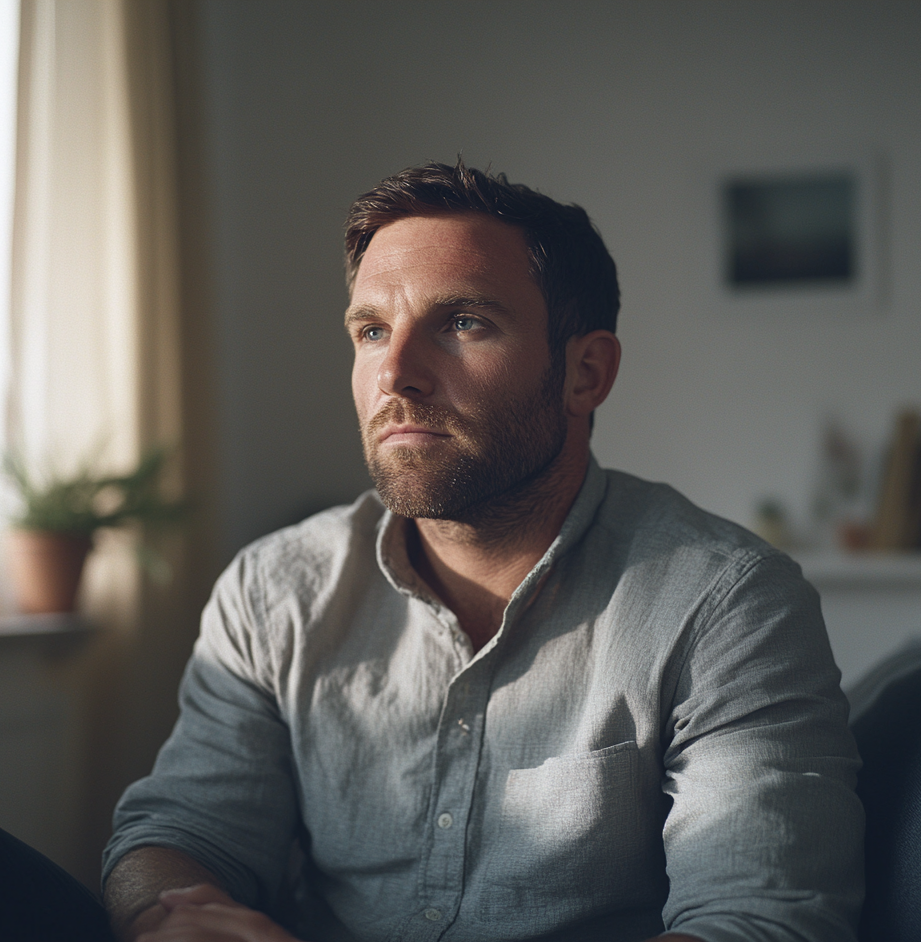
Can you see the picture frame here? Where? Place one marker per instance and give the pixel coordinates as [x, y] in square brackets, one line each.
[797, 236]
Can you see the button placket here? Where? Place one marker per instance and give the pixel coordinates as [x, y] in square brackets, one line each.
[456, 767]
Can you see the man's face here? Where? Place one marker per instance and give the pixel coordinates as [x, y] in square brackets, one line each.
[456, 399]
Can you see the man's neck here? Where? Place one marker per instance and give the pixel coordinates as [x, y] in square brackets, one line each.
[475, 566]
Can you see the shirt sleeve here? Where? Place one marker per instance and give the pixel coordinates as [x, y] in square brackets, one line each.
[222, 788]
[765, 833]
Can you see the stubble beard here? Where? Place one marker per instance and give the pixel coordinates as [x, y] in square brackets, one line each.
[493, 456]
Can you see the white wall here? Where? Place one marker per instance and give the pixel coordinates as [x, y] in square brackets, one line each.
[622, 106]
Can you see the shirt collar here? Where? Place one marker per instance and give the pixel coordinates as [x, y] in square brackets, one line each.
[393, 556]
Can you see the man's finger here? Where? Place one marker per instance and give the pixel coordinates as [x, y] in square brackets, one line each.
[218, 921]
[197, 895]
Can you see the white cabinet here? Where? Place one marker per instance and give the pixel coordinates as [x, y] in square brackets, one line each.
[871, 603]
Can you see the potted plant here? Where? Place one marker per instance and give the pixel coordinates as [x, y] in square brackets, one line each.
[52, 533]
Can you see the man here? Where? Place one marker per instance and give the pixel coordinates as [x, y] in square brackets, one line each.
[513, 696]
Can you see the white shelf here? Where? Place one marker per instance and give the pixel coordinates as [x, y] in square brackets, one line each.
[866, 569]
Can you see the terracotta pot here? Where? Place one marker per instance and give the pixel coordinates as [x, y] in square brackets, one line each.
[45, 569]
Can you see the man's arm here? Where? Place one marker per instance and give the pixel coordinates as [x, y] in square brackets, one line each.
[221, 795]
[764, 835]
[135, 884]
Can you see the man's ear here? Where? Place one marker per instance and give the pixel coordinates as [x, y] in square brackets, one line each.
[591, 368]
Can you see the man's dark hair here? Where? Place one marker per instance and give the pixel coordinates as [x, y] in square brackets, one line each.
[569, 260]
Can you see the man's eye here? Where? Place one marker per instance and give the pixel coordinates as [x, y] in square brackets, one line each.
[464, 323]
[373, 333]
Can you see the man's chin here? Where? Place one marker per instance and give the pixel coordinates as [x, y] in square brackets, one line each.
[453, 495]
[418, 500]
[419, 509]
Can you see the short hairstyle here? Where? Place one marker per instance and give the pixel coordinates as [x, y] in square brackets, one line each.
[569, 260]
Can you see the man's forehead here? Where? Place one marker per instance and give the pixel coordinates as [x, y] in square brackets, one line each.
[473, 243]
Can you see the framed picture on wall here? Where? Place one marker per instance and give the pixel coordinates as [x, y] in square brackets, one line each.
[798, 235]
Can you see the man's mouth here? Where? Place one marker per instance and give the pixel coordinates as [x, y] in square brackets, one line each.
[401, 423]
[410, 434]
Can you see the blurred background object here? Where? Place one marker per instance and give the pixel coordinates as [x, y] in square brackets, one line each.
[898, 518]
[771, 523]
[844, 497]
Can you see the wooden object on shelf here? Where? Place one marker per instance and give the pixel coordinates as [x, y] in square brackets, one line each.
[898, 518]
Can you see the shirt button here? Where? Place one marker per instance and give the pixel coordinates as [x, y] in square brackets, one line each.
[433, 915]
[445, 821]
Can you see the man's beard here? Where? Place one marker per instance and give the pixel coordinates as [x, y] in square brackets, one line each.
[495, 452]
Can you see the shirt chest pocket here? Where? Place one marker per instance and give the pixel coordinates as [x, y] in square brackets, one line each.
[576, 826]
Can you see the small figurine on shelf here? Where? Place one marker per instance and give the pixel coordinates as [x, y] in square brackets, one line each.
[771, 523]
[842, 505]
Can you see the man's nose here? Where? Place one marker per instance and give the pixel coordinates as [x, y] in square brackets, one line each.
[407, 369]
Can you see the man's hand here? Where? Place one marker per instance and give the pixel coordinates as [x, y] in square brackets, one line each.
[204, 913]
[145, 901]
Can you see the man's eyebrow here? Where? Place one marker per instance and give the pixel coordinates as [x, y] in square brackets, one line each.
[471, 301]
[360, 314]
[365, 313]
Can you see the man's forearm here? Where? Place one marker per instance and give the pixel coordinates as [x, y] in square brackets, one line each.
[134, 885]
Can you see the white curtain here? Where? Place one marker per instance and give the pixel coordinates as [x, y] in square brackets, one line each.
[74, 350]
[9, 56]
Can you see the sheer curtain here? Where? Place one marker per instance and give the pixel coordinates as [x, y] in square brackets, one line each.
[99, 337]
[9, 54]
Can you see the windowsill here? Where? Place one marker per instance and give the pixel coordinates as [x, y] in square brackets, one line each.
[56, 634]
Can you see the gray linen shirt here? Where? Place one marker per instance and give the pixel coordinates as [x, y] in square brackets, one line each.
[655, 738]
